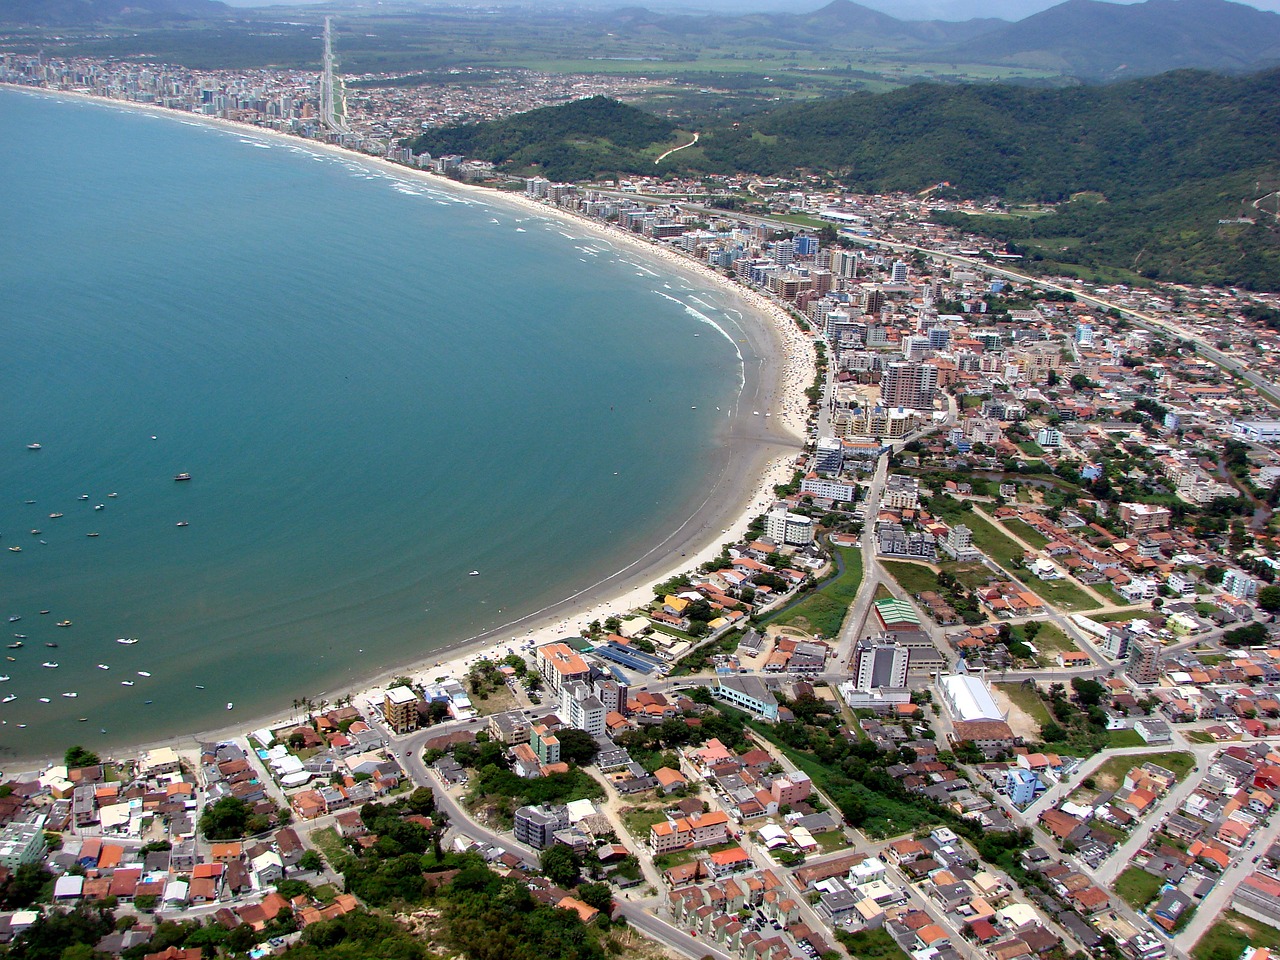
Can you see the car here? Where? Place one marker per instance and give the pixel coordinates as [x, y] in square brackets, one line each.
[1257, 858]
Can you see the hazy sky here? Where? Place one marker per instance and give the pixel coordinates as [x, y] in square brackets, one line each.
[904, 9]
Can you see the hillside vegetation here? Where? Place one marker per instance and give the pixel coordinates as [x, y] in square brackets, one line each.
[1163, 159]
[577, 141]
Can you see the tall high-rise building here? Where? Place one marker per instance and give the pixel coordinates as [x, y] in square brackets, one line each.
[909, 385]
[784, 527]
[581, 709]
[784, 252]
[828, 456]
[1143, 665]
[899, 272]
[878, 664]
[875, 301]
[844, 263]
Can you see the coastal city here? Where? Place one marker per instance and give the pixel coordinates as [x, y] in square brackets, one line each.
[989, 671]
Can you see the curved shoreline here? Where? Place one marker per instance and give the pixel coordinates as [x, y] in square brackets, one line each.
[750, 464]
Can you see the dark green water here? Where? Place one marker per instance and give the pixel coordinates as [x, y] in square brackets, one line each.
[376, 387]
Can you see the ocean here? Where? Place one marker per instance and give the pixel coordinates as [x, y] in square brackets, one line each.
[377, 386]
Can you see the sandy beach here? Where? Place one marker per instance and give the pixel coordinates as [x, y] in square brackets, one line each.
[750, 460]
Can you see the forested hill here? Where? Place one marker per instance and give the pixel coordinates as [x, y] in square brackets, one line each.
[1163, 159]
[1169, 156]
[577, 141]
[83, 12]
[1129, 139]
[1098, 40]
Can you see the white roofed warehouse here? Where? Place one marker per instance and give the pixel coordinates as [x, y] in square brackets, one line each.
[968, 698]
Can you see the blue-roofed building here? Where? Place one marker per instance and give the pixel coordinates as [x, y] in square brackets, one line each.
[748, 692]
[1021, 786]
[631, 659]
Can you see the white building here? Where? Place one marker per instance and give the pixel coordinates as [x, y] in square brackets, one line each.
[969, 698]
[22, 843]
[958, 544]
[880, 665]
[1239, 585]
[842, 490]
[1259, 431]
[781, 526]
[582, 709]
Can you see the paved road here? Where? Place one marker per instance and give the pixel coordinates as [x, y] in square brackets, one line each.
[1220, 895]
[855, 619]
[636, 912]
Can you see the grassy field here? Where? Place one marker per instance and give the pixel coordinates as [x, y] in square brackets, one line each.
[986, 537]
[1051, 640]
[1124, 616]
[831, 841]
[1031, 449]
[1063, 593]
[1230, 934]
[1124, 738]
[912, 577]
[1136, 887]
[1026, 532]
[330, 844]
[638, 820]
[871, 945]
[1111, 774]
[823, 611]
[1026, 700]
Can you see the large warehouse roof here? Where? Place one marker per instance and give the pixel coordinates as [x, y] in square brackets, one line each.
[969, 698]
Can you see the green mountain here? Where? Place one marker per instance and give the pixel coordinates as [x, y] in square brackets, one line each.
[841, 24]
[578, 141]
[1170, 156]
[1160, 161]
[1089, 39]
[1105, 41]
[85, 12]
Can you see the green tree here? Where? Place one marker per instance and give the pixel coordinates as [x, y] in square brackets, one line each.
[596, 895]
[561, 865]
[25, 886]
[226, 819]
[310, 861]
[1269, 598]
[78, 756]
[577, 746]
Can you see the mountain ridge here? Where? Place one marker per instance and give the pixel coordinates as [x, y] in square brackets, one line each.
[84, 12]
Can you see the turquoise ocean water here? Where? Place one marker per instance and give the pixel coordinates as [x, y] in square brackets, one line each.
[377, 386]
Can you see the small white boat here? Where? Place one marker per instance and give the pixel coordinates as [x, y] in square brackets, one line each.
[474, 573]
[182, 523]
[103, 666]
[50, 665]
[83, 496]
[33, 446]
[99, 506]
[10, 698]
[127, 641]
[230, 705]
[143, 673]
[71, 696]
[14, 619]
[199, 686]
[45, 700]
[126, 683]
[4, 678]
[113, 495]
[63, 623]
